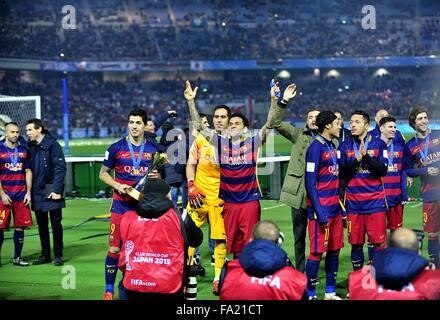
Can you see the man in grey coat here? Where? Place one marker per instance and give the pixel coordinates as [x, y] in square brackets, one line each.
[294, 192]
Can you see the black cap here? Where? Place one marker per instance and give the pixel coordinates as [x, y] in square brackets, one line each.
[324, 118]
[155, 185]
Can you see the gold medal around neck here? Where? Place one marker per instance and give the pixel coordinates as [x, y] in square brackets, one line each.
[135, 172]
[425, 163]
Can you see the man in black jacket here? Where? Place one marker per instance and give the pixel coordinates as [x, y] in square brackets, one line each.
[49, 170]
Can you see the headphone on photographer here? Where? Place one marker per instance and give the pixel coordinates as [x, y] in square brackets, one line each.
[280, 239]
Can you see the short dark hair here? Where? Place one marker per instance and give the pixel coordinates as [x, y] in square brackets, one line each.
[384, 120]
[324, 118]
[12, 123]
[138, 113]
[339, 111]
[36, 122]
[223, 106]
[203, 115]
[313, 109]
[363, 114]
[413, 115]
[242, 117]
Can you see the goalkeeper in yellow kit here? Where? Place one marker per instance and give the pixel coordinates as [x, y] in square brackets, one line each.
[203, 174]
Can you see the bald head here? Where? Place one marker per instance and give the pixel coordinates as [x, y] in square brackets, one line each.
[381, 114]
[266, 230]
[405, 238]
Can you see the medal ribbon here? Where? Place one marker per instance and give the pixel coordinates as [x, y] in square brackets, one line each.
[332, 152]
[424, 154]
[14, 159]
[390, 155]
[356, 150]
[136, 162]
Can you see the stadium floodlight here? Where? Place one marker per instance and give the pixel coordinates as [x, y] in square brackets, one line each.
[380, 72]
[333, 73]
[284, 74]
[316, 72]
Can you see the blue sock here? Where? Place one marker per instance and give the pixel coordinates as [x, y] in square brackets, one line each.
[111, 267]
[433, 251]
[331, 271]
[357, 257]
[18, 243]
[312, 267]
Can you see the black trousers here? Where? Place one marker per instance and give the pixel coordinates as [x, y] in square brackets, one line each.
[299, 220]
[57, 231]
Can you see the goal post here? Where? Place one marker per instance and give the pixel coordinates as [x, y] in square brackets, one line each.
[19, 110]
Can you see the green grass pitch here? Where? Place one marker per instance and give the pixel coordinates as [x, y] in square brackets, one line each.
[85, 249]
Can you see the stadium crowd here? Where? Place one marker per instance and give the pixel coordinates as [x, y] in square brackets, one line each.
[198, 29]
[95, 103]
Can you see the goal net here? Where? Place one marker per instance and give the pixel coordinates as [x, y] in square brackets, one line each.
[19, 110]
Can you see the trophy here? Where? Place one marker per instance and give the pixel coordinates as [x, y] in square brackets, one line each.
[159, 160]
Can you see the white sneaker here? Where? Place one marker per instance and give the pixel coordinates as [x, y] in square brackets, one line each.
[20, 262]
[332, 296]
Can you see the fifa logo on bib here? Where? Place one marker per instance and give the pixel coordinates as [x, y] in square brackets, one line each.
[129, 246]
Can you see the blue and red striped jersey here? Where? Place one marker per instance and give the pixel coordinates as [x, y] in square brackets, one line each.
[364, 193]
[395, 180]
[118, 157]
[322, 180]
[417, 147]
[238, 169]
[13, 178]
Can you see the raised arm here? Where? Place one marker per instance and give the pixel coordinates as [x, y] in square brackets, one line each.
[277, 111]
[190, 95]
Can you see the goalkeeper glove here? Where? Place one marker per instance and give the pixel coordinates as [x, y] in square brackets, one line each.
[195, 196]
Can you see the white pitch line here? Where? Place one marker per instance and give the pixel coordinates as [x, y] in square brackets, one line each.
[417, 205]
[273, 207]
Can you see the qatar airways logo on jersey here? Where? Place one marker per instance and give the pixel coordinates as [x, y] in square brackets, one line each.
[10, 166]
[141, 171]
[334, 170]
[235, 161]
[361, 170]
[433, 157]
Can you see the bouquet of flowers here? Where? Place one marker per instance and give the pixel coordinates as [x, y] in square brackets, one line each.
[159, 160]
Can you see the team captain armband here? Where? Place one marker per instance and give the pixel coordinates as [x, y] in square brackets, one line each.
[310, 167]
